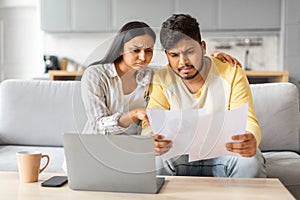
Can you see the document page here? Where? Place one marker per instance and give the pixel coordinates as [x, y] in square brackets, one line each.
[197, 133]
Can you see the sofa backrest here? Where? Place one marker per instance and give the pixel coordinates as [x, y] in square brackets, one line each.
[36, 112]
[277, 110]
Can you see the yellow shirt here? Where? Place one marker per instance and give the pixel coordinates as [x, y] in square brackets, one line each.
[225, 88]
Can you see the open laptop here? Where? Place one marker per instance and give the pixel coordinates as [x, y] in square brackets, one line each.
[115, 163]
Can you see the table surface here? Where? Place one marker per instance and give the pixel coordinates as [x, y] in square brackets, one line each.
[175, 187]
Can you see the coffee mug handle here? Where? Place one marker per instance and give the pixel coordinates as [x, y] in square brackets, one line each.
[48, 160]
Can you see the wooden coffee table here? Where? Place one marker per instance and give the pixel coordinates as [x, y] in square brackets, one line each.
[174, 188]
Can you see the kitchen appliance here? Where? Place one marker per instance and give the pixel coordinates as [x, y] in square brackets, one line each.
[51, 63]
[246, 64]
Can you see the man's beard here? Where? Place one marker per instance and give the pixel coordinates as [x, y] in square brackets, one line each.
[187, 77]
[194, 75]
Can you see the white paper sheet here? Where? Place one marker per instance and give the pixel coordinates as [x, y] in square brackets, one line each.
[196, 133]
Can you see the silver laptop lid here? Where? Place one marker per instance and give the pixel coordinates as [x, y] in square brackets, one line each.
[117, 163]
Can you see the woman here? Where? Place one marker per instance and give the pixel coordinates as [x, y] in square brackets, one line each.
[114, 88]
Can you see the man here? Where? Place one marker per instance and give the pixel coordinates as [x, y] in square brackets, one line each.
[191, 81]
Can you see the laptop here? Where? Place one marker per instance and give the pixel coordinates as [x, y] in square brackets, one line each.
[112, 163]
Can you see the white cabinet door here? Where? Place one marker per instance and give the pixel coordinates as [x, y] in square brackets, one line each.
[152, 12]
[75, 15]
[55, 15]
[205, 11]
[106, 15]
[90, 15]
[249, 14]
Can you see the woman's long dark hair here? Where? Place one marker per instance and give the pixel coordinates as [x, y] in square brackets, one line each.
[126, 33]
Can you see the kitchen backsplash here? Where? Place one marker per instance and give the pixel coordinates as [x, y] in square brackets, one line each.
[256, 52]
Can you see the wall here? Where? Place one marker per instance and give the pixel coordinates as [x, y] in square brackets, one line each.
[77, 47]
[20, 40]
[291, 39]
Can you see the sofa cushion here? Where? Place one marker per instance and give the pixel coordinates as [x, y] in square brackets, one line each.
[38, 112]
[277, 110]
[8, 161]
[277, 164]
[285, 166]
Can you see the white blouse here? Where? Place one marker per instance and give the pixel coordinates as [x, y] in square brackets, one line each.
[104, 101]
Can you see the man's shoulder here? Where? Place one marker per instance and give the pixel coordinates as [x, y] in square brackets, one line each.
[223, 67]
[225, 70]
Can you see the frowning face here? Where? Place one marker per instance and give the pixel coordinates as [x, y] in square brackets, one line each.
[138, 52]
[186, 58]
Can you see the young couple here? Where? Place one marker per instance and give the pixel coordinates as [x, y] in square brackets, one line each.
[115, 93]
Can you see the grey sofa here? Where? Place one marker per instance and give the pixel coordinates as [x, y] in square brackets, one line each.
[34, 115]
[277, 110]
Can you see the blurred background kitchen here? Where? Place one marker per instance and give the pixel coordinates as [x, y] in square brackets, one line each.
[41, 35]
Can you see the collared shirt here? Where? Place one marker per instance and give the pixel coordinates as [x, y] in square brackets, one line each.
[104, 101]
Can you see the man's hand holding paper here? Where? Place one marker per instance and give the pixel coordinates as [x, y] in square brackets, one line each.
[245, 145]
[162, 145]
[202, 135]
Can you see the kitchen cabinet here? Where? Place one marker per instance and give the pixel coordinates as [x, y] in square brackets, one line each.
[245, 14]
[90, 15]
[292, 13]
[75, 15]
[106, 15]
[55, 15]
[214, 15]
[205, 11]
[152, 12]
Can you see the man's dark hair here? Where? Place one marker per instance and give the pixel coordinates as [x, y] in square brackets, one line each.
[177, 27]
